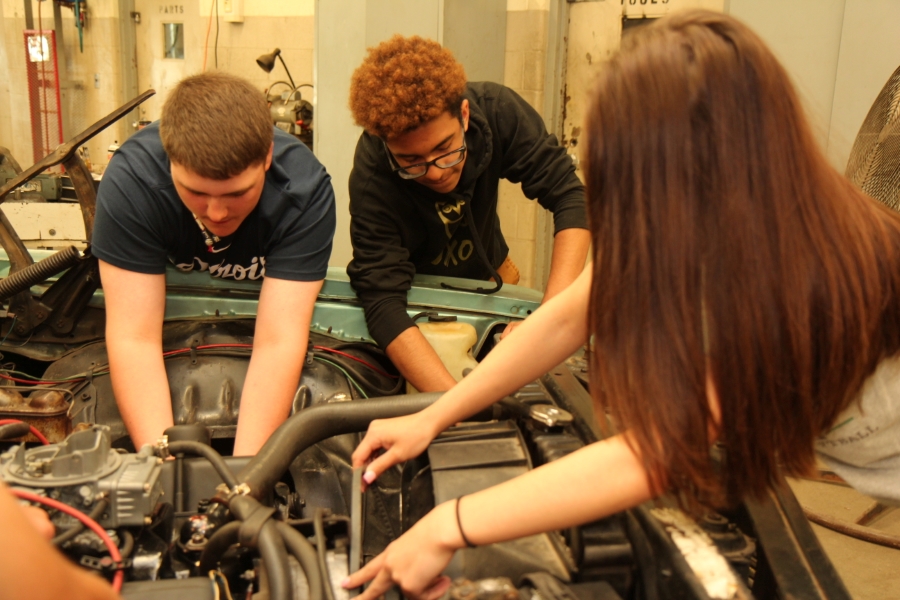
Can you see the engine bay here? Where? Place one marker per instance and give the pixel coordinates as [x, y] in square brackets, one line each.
[188, 520]
[185, 519]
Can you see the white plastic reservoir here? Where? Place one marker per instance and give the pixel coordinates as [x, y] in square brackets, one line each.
[453, 343]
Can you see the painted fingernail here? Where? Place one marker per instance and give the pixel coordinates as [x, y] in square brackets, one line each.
[369, 476]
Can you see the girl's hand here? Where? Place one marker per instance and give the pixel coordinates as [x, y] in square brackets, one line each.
[414, 562]
[402, 438]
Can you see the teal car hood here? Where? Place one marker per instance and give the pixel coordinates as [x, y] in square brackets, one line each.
[196, 295]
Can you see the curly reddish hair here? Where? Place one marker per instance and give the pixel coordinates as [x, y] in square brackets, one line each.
[403, 83]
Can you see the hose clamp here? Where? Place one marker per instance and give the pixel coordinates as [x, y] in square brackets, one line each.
[242, 489]
[226, 493]
[105, 564]
[162, 447]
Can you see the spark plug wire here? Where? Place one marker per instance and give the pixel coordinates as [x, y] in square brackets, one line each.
[37, 434]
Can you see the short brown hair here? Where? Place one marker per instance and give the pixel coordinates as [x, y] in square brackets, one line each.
[403, 83]
[216, 125]
[727, 250]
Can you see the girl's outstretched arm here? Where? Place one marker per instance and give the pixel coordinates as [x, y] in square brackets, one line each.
[541, 342]
[598, 480]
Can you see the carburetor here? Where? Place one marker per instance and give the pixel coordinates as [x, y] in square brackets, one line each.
[85, 468]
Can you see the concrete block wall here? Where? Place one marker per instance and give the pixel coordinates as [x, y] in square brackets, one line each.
[266, 25]
[15, 127]
[14, 124]
[92, 79]
[6, 33]
[84, 97]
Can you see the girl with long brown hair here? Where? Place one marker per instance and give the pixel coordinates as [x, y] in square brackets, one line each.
[741, 292]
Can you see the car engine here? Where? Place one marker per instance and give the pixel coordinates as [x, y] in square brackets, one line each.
[190, 521]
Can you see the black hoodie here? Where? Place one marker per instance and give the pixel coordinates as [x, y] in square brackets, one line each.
[399, 227]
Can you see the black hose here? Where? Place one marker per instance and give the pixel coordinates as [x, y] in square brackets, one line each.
[398, 386]
[319, 528]
[38, 272]
[209, 454]
[366, 376]
[274, 556]
[316, 424]
[370, 353]
[127, 544]
[14, 430]
[305, 554]
[70, 533]
[269, 543]
[225, 537]
[363, 376]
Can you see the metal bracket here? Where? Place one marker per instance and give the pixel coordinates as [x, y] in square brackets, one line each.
[65, 151]
[162, 447]
[105, 564]
[30, 313]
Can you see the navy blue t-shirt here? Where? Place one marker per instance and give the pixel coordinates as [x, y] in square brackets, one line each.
[142, 224]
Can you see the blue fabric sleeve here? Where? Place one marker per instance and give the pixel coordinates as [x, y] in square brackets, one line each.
[129, 227]
[300, 244]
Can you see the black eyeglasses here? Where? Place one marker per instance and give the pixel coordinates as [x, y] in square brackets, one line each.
[444, 161]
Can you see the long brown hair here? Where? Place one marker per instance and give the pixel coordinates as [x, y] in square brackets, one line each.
[728, 251]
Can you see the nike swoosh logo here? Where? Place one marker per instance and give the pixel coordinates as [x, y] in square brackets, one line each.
[217, 250]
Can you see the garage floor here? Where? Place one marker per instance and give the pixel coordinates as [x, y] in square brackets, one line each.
[870, 571]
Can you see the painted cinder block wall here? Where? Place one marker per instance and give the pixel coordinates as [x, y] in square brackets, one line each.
[266, 25]
[84, 98]
[850, 34]
[92, 80]
[93, 86]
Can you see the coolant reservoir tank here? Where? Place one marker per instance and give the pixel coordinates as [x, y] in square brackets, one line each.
[453, 343]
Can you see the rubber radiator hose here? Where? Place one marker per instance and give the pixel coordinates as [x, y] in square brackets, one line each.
[317, 423]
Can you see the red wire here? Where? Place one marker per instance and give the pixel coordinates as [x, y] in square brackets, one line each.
[88, 522]
[36, 433]
[41, 382]
[169, 353]
[322, 348]
[209, 347]
[206, 347]
[359, 360]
